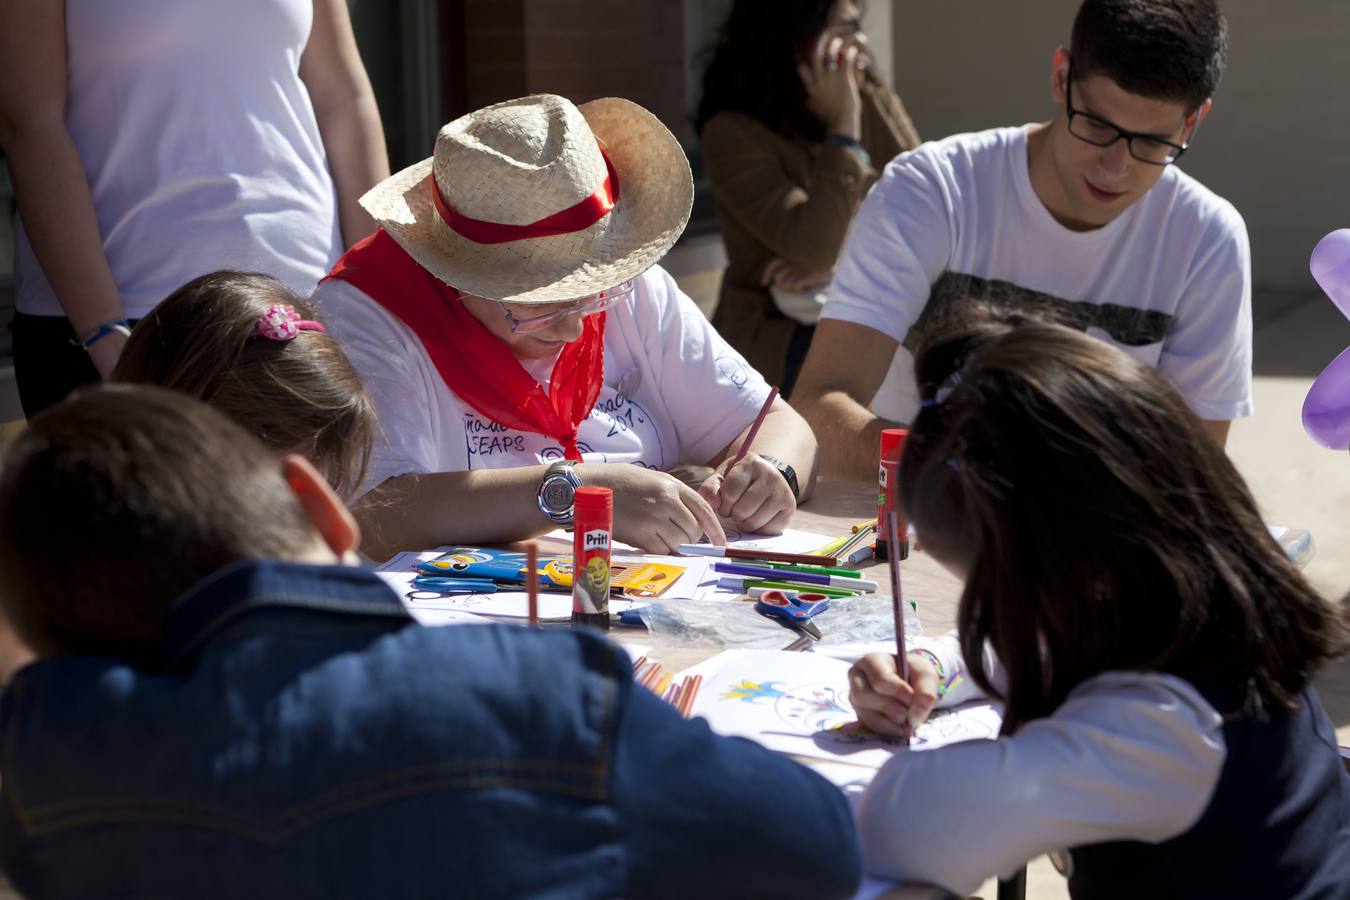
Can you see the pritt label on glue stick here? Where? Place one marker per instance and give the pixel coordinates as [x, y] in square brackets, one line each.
[593, 521]
[590, 584]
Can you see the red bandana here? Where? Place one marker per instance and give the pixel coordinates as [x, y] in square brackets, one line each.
[475, 364]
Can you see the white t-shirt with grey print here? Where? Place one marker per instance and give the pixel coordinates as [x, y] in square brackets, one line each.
[673, 391]
[1168, 281]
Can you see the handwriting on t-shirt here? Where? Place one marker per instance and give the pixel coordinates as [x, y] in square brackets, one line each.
[485, 437]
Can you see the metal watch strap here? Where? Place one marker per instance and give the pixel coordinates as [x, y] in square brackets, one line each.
[558, 478]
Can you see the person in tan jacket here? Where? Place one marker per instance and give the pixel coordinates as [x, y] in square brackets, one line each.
[794, 125]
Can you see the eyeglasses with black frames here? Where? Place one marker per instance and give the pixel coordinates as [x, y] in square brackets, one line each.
[585, 306]
[1147, 148]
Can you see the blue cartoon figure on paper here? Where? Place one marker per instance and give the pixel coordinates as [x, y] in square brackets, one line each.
[808, 708]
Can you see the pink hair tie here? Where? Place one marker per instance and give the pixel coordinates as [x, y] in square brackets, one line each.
[282, 323]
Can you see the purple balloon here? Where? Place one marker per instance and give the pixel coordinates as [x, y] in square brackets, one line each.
[1330, 265]
[1326, 411]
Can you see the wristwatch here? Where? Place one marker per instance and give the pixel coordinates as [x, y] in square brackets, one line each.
[557, 491]
[789, 474]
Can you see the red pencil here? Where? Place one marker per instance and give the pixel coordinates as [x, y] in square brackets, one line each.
[532, 579]
[754, 429]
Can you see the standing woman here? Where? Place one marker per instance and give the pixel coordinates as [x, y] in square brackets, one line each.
[793, 124]
[151, 141]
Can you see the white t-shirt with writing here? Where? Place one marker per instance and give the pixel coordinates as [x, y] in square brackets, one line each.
[673, 392]
[1168, 280]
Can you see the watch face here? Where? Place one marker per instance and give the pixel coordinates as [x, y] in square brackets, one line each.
[558, 494]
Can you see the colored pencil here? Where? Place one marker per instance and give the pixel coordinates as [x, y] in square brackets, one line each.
[651, 676]
[532, 579]
[863, 536]
[676, 695]
[803, 559]
[754, 429]
[665, 682]
[690, 694]
[897, 603]
[834, 581]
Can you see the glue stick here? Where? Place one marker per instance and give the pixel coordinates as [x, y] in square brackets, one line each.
[592, 523]
[888, 486]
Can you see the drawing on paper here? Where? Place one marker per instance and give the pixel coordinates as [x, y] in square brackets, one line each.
[823, 710]
[807, 708]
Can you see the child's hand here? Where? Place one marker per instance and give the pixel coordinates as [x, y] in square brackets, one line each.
[884, 701]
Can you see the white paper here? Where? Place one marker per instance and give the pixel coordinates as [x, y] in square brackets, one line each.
[797, 703]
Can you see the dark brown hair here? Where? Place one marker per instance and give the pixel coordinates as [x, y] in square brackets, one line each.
[1100, 526]
[120, 498]
[1162, 49]
[298, 396]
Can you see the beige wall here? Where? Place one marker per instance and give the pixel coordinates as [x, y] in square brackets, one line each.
[1277, 143]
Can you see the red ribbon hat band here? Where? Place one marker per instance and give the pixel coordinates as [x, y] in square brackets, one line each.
[573, 219]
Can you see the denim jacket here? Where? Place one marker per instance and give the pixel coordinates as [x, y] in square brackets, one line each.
[303, 738]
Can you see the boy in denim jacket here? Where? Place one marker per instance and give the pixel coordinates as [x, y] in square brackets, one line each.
[222, 706]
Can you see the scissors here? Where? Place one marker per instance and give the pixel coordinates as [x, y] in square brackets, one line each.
[449, 585]
[795, 610]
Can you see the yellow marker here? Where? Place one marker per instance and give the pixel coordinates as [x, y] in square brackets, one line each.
[866, 525]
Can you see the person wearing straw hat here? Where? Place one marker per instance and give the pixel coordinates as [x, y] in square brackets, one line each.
[519, 341]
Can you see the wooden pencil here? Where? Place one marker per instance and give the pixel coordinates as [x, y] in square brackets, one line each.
[897, 604]
[532, 579]
[754, 429]
[690, 695]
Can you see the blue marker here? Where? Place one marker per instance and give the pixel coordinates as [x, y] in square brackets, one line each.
[448, 585]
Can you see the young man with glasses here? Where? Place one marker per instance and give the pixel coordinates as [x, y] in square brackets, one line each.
[1084, 219]
[519, 341]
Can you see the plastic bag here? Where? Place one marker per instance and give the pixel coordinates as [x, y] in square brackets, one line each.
[734, 624]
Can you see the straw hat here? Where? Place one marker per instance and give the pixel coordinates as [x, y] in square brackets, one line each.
[526, 160]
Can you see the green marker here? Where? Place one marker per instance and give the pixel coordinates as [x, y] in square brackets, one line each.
[813, 570]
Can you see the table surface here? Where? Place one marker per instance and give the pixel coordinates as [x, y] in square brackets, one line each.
[834, 507]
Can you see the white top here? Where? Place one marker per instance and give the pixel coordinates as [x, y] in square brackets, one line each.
[673, 392]
[1168, 280]
[199, 143]
[1127, 756]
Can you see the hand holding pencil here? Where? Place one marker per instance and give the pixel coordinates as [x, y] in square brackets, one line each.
[747, 490]
[887, 703]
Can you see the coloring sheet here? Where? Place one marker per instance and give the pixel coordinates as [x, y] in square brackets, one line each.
[797, 703]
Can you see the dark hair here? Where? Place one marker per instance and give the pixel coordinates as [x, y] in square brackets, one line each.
[1101, 527]
[1162, 49]
[118, 499]
[298, 396]
[754, 65]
